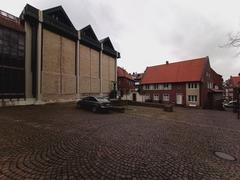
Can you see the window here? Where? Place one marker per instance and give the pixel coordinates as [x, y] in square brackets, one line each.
[192, 98]
[179, 87]
[155, 86]
[192, 85]
[156, 97]
[166, 97]
[210, 85]
[147, 97]
[165, 86]
[147, 86]
[160, 86]
[208, 74]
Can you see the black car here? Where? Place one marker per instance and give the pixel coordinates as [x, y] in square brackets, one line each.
[95, 104]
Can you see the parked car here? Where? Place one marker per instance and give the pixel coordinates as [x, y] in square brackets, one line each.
[230, 105]
[95, 104]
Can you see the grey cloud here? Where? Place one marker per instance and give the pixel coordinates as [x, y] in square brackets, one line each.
[151, 32]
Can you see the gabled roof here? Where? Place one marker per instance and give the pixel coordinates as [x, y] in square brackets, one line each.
[235, 80]
[59, 14]
[123, 73]
[107, 43]
[184, 71]
[89, 38]
[89, 32]
[108, 48]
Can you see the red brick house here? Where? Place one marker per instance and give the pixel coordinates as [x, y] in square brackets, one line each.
[125, 81]
[187, 83]
[231, 89]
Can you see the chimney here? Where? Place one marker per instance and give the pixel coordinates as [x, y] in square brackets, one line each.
[167, 62]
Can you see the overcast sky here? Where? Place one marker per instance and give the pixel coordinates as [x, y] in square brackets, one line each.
[151, 32]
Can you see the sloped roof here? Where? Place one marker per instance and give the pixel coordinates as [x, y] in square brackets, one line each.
[108, 48]
[107, 42]
[89, 32]
[123, 73]
[89, 38]
[235, 80]
[184, 71]
[59, 12]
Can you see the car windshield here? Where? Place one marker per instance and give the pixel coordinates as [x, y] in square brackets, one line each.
[102, 99]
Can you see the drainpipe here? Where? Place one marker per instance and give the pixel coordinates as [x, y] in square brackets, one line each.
[101, 55]
[39, 56]
[78, 65]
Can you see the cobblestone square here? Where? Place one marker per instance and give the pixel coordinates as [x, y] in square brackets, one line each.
[58, 141]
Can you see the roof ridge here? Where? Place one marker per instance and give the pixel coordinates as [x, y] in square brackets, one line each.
[203, 58]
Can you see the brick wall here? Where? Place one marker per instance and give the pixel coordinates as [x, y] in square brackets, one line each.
[58, 67]
[177, 88]
[108, 73]
[89, 70]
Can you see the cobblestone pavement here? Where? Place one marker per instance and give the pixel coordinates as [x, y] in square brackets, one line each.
[62, 142]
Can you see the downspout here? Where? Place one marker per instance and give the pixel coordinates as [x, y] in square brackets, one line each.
[39, 56]
[101, 55]
[78, 65]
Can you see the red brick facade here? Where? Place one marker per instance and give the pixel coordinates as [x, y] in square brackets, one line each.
[192, 83]
[177, 88]
[125, 81]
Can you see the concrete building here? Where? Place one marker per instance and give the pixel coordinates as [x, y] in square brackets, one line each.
[188, 83]
[59, 63]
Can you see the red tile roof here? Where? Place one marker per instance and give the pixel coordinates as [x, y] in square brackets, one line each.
[184, 71]
[123, 73]
[235, 81]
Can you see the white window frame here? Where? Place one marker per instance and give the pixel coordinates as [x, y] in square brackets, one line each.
[192, 98]
[156, 95]
[147, 97]
[192, 85]
[166, 99]
[147, 86]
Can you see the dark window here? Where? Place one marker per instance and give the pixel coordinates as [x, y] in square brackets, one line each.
[12, 64]
[192, 98]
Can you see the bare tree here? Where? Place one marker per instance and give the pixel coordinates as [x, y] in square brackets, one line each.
[233, 42]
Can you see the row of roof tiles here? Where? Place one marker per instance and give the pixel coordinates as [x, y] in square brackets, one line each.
[183, 71]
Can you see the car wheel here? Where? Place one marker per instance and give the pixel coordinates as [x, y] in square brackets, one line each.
[94, 109]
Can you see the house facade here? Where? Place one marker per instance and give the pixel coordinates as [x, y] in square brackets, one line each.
[231, 88]
[186, 83]
[137, 77]
[125, 82]
[59, 62]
